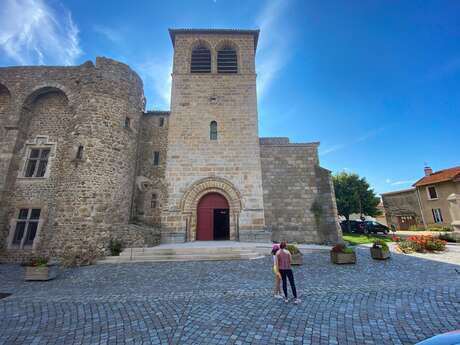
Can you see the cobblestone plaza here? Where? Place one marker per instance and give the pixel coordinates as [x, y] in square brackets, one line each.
[400, 301]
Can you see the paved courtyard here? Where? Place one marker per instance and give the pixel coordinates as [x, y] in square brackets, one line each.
[399, 301]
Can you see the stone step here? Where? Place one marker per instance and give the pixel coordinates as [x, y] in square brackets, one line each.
[180, 257]
[180, 251]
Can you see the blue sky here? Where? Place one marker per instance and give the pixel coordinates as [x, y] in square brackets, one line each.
[376, 82]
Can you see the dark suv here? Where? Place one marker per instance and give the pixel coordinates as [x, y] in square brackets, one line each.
[375, 227]
[355, 226]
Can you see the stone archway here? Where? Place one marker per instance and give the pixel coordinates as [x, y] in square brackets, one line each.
[202, 187]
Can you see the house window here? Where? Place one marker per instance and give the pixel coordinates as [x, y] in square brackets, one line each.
[154, 201]
[37, 162]
[437, 215]
[161, 121]
[156, 158]
[213, 130]
[432, 194]
[227, 61]
[79, 152]
[201, 60]
[26, 227]
[127, 123]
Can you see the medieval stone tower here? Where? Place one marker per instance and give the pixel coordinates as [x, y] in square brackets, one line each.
[82, 163]
[213, 144]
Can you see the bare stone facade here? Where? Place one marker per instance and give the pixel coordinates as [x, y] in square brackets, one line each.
[402, 209]
[81, 162]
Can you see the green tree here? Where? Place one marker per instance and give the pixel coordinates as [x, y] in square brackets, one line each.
[354, 195]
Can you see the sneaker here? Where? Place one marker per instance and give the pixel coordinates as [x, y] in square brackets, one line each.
[286, 300]
[296, 301]
[278, 296]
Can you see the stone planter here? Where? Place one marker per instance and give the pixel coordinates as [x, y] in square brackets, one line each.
[40, 273]
[297, 259]
[379, 253]
[343, 258]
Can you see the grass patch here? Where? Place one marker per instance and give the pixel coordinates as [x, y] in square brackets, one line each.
[354, 239]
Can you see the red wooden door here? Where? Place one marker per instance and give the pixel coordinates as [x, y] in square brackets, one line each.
[205, 215]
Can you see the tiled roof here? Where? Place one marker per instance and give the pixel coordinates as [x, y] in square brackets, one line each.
[255, 33]
[439, 176]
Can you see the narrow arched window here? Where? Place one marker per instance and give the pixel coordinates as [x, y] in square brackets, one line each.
[227, 61]
[201, 60]
[213, 130]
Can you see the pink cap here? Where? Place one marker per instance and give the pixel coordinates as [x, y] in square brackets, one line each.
[276, 246]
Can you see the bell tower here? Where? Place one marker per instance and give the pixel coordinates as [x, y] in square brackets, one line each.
[213, 141]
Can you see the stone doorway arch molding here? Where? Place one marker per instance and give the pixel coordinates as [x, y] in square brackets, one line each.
[200, 188]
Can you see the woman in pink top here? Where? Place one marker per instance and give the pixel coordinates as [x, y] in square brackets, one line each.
[283, 258]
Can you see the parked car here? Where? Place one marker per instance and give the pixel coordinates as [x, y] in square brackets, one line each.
[449, 338]
[355, 226]
[375, 227]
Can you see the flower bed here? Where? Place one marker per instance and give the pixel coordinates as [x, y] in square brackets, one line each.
[422, 244]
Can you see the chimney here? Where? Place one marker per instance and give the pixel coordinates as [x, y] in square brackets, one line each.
[428, 171]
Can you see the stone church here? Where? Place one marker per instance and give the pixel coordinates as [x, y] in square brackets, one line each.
[82, 162]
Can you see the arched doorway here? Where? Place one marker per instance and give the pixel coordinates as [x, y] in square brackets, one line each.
[213, 221]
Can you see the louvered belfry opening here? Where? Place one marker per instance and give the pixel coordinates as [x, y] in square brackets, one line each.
[201, 60]
[227, 61]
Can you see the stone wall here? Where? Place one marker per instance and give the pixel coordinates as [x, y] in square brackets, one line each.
[63, 108]
[298, 195]
[402, 203]
[231, 101]
[151, 191]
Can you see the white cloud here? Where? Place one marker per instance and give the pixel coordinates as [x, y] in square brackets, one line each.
[331, 149]
[397, 183]
[370, 134]
[273, 52]
[112, 35]
[31, 32]
[400, 182]
[157, 74]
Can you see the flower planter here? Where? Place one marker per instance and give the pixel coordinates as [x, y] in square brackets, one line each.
[343, 258]
[297, 259]
[380, 253]
[40, 273]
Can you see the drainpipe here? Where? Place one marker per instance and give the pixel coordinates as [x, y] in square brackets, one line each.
[420, 206]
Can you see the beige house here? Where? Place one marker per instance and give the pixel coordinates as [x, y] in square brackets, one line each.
[433, 191]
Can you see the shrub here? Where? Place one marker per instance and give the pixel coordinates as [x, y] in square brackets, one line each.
[406, 247]
[416, 228]
[39, 262]
[380, 244]
[436, 244]
[439, 228]
[341, 248]
[293, 249]
[116, 247]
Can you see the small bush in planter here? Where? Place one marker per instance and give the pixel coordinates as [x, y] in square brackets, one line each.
[115, 247]
[297, 258]
[39, 269]
[380, 250]
[341, 254]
